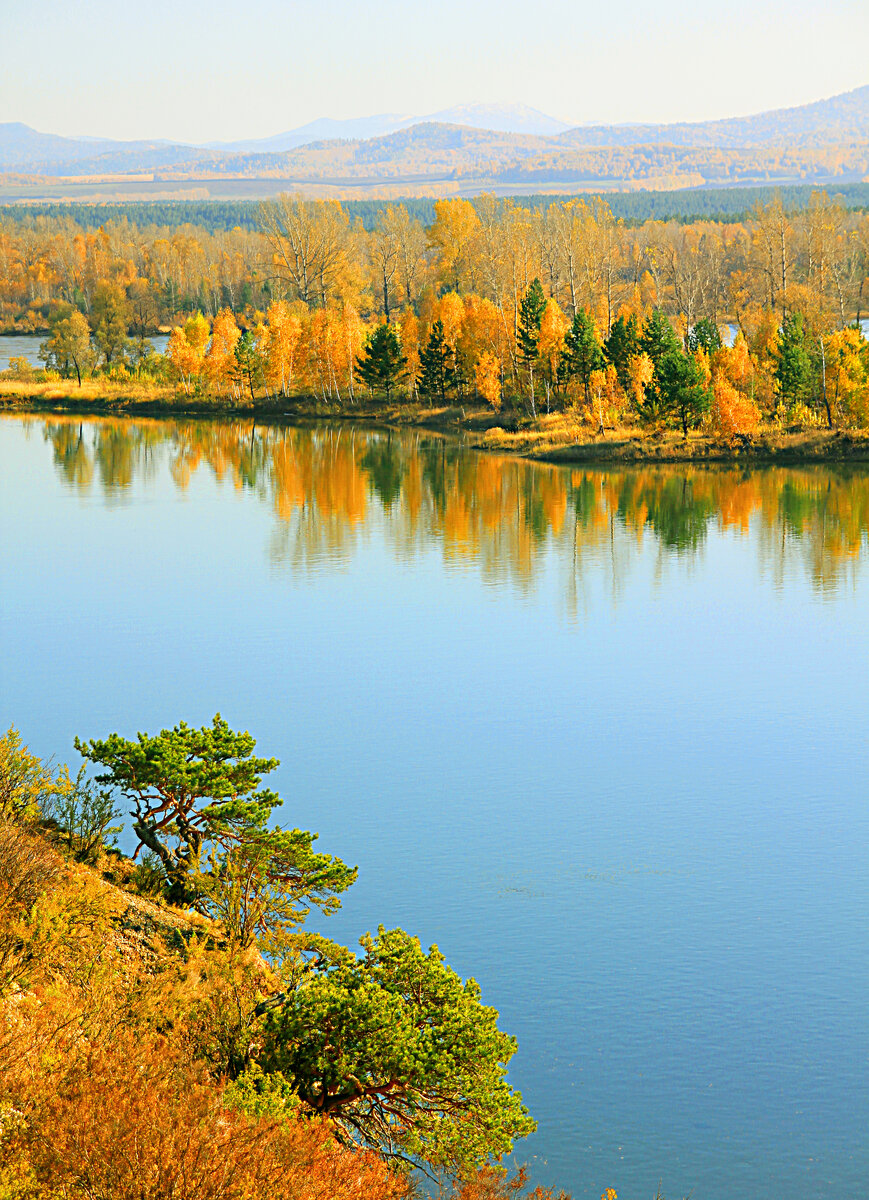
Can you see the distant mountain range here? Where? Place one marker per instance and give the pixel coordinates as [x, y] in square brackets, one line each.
[25, 149]
[455, 151]
[502, 118]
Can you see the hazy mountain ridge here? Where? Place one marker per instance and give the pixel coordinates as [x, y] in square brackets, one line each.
[24, 148]
[842, 118]
[500, 118]
[324, 129]
[825, 140]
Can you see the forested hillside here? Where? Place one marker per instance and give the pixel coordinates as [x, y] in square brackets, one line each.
[843, 118]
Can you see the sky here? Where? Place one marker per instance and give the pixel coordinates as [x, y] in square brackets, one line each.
[199, 71]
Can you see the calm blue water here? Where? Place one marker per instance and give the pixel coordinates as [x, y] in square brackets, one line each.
[602, 737]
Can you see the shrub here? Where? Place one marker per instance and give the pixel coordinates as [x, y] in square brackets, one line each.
[84, 816]
[20, 369]
[148, 877]
[135, 1120]
[28, 869]
[733, 413]
[494, 1183]
[25, 781]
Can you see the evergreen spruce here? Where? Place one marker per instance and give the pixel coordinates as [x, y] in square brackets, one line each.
[381, 364]
[584, 354]
[793, 364]
[705, 335]
[249, 362]
[531, 309]
[621, 347]
[682, 388]
[437, 363]
[658, 338]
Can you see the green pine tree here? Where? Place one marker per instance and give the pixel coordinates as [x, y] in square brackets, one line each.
[658, 337]
[705, 335]
[621, 347]
[793, 364]
[249, 362]
[531, 309]
[584, 352]
[381, 364]
[401, 1055]
[682, 388]
[196, 796]
[437, 362]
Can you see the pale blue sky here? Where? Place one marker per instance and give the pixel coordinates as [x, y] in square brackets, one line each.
[199, 70]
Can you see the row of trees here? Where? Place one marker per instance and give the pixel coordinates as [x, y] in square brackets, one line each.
[685, 204]
[458, 349]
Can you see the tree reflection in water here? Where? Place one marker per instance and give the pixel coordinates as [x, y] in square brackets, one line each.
[502, 514]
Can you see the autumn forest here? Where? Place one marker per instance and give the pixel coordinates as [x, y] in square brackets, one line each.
[702, 325]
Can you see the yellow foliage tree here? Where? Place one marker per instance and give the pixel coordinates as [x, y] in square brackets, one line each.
[642, 372]
[846, 385]
[450, 310]
[607, 396]
[220, 364]
[451, 236]
[409, 337]
[352, 341]
[186, 350]
[487, 376]
[326, 351]
[283, 344]
[733, 413]
[483, 331]
[553, 326]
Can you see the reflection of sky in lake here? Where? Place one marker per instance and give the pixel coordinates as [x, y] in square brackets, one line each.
[601, 736]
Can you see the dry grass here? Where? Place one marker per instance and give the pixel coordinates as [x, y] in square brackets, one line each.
[560, 438]
[92, 391]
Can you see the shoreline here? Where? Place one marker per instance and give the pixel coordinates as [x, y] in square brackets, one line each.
[558, 439]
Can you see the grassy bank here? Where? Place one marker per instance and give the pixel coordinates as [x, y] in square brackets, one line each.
[92, 395]
[556, 438]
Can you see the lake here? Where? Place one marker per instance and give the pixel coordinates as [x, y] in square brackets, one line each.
[601, 736]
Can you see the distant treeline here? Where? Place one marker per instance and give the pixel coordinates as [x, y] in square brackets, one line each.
[684, 205]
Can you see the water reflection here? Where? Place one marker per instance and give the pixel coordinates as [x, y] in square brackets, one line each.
[501, 515]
